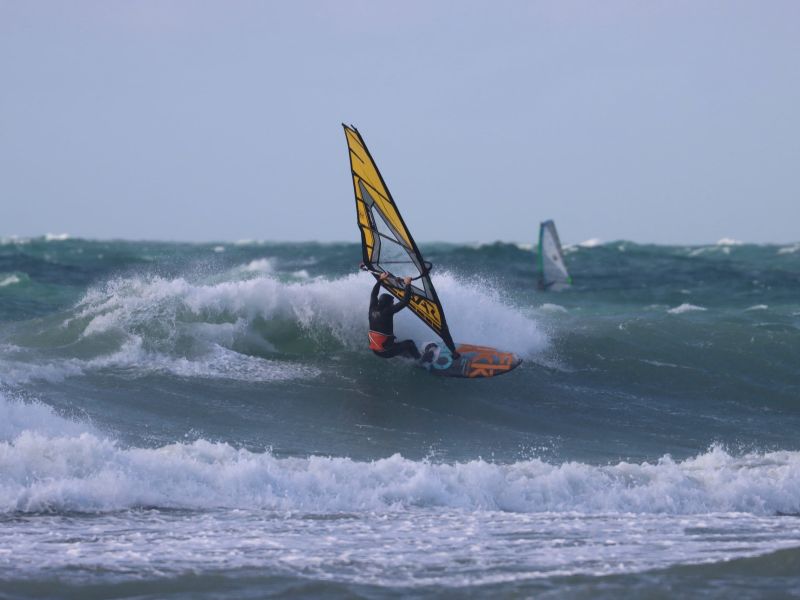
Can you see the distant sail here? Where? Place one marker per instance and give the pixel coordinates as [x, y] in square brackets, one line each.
[386, 242]
[553, 273]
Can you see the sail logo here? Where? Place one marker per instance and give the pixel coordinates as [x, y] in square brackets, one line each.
[485, 361]
[428, 311]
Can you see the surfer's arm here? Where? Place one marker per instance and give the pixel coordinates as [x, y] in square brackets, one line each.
[406, 298]
[373, 297]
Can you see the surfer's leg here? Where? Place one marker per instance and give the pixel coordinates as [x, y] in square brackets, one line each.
[406, 348]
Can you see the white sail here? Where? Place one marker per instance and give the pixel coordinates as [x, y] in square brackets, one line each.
[553, 274]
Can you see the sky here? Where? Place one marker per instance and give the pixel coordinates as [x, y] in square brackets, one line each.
[660, 121]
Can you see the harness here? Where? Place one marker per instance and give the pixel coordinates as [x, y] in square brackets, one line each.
[378, 340]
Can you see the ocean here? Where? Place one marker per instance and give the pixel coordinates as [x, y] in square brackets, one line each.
[206, 421]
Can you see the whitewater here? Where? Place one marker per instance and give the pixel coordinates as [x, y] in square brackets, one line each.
[197, 420]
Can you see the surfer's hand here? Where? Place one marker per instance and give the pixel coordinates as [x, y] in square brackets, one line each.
[407, 280]
[383, 276]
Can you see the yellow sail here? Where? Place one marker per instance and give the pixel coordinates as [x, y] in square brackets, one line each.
[387, 245]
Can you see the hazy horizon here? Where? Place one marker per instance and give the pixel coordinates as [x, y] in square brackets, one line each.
[666, 122]
[589, 242]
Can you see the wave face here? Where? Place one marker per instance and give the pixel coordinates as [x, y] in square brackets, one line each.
[163, 389]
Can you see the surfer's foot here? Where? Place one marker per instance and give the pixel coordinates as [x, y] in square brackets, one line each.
[427, 354]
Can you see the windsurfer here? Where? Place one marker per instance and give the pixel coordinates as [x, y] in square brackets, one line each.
[381, 323]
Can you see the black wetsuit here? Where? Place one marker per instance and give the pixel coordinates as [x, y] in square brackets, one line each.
[382, 321]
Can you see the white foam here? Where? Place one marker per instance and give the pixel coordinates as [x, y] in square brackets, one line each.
[658, 363]
[757, 307]
[476, 312]
[789, 249]
[217, 362]
[553, 308]
[591, 243]
[219, 249]
[9, 280]
[14, 372]
[724, 246]
[85, 472]
[222, 363]
[18, 416]
[685, 307]
[56, 237]
[260, 265]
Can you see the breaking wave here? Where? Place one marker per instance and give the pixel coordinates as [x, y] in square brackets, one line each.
[253, 325]
[48, 463]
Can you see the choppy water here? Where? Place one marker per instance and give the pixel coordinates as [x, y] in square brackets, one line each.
[204, 420]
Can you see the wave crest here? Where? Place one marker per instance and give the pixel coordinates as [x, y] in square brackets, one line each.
[86, 473]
